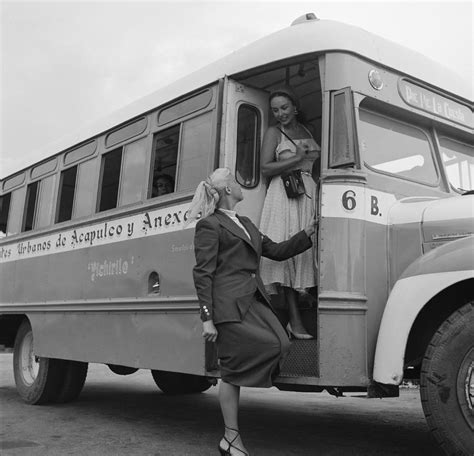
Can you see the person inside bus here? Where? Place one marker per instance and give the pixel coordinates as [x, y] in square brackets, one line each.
[162, 184]
[288, 146]
[236, 311]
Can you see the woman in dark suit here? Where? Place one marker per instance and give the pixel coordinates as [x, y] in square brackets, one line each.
[235, 309]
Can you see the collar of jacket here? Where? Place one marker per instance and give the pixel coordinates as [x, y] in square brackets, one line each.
[227, 222]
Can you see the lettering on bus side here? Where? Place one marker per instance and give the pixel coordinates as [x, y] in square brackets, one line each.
[342, 201]
[106, 268]
[349, 202]
[135, 226]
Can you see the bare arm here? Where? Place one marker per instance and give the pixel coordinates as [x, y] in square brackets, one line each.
[269, 166]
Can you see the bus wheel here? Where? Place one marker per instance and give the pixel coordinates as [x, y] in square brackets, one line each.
[447, 383]
[122, 370]
[37, 379]
[176, 383]
[74, 378]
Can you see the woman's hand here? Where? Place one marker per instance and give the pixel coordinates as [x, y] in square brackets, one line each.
[311, 228]
[302, 151]
[209, 331]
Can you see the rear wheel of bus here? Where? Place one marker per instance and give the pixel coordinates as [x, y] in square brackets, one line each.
[447, 383]
[177, 383]
[38, 380]
[74, 377]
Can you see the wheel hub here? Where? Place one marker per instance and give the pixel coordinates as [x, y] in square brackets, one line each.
[469, 386]
[466, 383]
[29, 366]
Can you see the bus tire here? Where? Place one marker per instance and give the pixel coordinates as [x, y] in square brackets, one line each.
[447, 382]
[178, 383]
[37, 379]
[73, 382]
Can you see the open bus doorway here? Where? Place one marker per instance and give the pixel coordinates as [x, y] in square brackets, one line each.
[247, 117]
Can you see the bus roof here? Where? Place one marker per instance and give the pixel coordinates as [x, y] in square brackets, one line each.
[305, 37]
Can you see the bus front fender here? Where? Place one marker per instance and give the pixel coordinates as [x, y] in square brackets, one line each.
[423, 280]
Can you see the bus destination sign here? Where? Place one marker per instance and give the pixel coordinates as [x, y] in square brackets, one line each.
[434, 103]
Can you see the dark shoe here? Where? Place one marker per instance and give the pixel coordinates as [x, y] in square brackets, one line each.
[227, 452]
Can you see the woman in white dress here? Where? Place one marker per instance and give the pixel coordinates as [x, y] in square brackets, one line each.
[288, 146]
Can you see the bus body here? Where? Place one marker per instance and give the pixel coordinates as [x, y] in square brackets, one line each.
[94, 268]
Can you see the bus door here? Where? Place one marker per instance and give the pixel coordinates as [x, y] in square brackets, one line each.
[245, 119]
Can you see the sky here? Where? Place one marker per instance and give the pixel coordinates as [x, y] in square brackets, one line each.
[65, 64]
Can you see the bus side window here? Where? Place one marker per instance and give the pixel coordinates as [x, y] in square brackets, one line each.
[45, 202]
[4, 211]
[30, 207]
[247, 166]
[196, 151]
[165, 151]
[133, 172]
[67, 190]
[343, 133]
[110, 179]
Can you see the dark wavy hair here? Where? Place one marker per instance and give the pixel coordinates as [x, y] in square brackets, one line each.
[288, 92]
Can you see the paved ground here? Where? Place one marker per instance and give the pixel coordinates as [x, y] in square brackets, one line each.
[123, 416]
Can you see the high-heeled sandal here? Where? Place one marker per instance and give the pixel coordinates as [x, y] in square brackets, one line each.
[227, 452]
[295, 335]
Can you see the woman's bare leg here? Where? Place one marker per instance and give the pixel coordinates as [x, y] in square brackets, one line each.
[229, 396]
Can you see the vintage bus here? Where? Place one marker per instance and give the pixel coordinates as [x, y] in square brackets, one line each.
[96, 265]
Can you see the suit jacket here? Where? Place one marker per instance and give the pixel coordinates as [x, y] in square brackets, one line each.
[226, 275]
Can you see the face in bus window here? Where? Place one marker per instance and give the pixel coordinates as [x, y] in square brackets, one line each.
[162, 185]
[283, 109]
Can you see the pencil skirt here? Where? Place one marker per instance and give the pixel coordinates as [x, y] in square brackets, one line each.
[250, 352]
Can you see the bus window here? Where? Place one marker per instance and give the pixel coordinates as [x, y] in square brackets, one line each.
[110, 179]
[30, 206]
[14, 181]
[165, 150]
[343, 142]
[86, 182]
[126, 132]
[390, 146]
[45, 202]
[195, 151]
[458, 160]
[248, 146]
[4, 210]
[44, 168]
[185, 107]
[80, 152]
[67, 189]
[133, 172]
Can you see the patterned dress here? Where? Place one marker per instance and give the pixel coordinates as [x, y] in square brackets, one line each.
[282, 217]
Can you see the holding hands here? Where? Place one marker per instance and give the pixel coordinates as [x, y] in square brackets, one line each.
[311, 228]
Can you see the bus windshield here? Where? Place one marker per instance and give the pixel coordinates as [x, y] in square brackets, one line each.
[458, 159]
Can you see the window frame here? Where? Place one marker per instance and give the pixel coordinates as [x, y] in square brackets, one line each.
[60, 192]
[427, 133]
[439, 135]
[256, 147]
[154, 134]
[35, 206]
[101, 180]
[349, 111]
[5, 195]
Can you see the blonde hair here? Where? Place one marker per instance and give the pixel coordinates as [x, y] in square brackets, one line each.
[207, 194]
